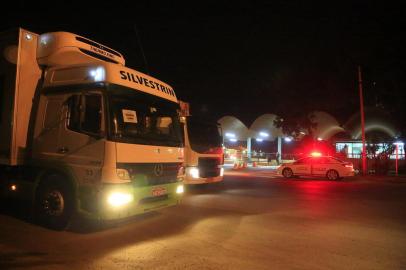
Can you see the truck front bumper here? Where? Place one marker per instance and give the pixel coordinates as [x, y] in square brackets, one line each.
[117, 201]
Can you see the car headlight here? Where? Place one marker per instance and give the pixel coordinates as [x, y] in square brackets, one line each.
[117, 199]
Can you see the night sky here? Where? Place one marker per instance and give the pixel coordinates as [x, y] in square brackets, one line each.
[246, 59]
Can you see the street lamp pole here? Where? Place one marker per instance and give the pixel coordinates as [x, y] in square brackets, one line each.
[361, 100]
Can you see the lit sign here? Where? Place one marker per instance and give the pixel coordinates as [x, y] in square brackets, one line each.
[230, 135]
[263, 134]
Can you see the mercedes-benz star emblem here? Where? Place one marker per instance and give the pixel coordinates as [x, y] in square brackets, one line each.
[158, 169]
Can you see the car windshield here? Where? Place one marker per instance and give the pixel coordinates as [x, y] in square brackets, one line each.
[338, 160]
[305, 160]
[140, 118]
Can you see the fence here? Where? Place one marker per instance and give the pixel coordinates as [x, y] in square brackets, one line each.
[258, 157]
[358, 156]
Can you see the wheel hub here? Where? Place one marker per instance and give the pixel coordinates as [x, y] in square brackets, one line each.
[332, 175]
[53, 203]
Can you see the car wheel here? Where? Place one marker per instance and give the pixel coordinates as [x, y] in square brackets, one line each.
[54, 203]
[287, 172]
[332, 175]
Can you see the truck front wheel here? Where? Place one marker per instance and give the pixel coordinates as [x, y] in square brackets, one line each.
[54, 202]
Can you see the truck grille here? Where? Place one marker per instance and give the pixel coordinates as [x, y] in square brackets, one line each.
[151, 174]
[209, 167]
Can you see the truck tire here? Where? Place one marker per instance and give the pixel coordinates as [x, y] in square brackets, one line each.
[54, 202]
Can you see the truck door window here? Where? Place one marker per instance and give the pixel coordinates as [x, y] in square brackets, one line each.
[92, 114]
[74, 108]
[85, 113]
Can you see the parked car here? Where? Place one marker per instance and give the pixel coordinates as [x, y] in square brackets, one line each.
[325, 166]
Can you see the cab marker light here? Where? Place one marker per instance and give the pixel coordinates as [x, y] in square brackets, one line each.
[98, 74]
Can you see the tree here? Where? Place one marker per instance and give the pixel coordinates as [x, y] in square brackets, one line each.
[381, 160]
[296, 125]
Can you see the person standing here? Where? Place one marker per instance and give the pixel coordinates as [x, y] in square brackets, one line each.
[277, 157]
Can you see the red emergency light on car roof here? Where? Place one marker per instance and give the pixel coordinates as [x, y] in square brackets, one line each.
[315, 154]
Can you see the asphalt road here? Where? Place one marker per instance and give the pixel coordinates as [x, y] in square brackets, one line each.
[251, 221]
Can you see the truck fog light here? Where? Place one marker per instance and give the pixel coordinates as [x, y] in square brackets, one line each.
[193, 172]
[119, 198]
[221, 171]
[179, 189]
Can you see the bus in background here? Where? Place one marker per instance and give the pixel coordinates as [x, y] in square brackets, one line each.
[204, 156]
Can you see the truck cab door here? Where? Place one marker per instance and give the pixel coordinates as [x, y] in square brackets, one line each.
[47, 125]
[81, 144]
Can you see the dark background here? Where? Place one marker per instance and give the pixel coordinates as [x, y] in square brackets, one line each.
[248, 58]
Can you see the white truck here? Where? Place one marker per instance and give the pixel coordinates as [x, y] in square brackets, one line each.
[204, 155]
[83, 134]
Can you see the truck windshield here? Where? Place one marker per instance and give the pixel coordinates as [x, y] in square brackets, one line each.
[203, 135]
[140, 118]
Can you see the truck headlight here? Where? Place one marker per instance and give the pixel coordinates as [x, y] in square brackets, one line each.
[193, 172]
[117, 199]
[180, 189]
[221, 171]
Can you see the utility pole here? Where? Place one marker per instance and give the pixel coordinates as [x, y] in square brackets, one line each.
[279, 157]
[361, 100]
[397, 158]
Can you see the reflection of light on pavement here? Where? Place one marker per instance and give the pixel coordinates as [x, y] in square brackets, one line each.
[258, 172]
[237, 191]
[315, 196]
[219, 236]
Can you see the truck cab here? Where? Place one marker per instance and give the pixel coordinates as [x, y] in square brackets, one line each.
[204, 156]
[96, 138]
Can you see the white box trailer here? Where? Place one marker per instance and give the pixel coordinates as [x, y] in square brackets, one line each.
[19, 77]
[81, 133]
